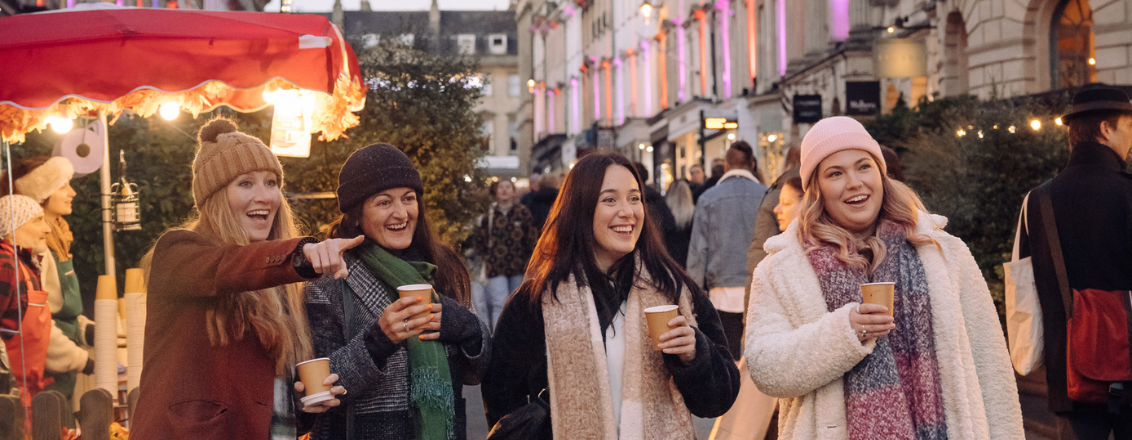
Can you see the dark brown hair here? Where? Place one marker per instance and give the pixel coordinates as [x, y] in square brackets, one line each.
[567, 246]
[1087, 128]
[451, 277]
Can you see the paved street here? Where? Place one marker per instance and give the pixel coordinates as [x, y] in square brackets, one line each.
[477, 425]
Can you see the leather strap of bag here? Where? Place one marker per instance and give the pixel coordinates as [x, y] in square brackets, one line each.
[1050, 225]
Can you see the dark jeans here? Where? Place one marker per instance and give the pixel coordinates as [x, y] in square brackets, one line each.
[1097, 425]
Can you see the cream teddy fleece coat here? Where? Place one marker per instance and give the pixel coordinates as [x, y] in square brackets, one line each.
[798, 351]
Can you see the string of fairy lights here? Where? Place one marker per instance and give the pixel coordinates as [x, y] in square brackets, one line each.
[1035, 125]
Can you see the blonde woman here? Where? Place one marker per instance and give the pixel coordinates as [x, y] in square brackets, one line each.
[225, 319]
[679, 201]
[937, 369]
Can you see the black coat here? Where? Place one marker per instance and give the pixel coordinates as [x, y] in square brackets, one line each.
[662, 219]
[517, 368]
[1092, 206]
[540, 203]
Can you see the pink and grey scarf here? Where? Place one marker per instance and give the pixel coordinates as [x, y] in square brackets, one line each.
[895, 392]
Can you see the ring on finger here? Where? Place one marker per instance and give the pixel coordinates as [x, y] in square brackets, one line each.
[864, 333]
[406, 324]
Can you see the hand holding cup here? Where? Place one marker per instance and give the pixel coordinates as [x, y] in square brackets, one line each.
[325, 405]
[408, 317]
[870, 321]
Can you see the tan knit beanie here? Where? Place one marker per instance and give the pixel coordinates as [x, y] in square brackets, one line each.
[223, 154]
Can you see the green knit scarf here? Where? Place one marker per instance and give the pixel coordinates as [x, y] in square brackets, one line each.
[430, 381]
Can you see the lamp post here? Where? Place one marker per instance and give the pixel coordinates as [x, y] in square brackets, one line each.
[646, 10]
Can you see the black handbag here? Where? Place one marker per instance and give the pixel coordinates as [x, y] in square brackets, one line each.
[529, 422]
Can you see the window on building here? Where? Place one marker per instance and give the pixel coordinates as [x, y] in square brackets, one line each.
[497, 44]
[487, 130]
[514, 85]
[370, 40]
[1072, 52]
[466, 44]
[513, 132]
[485, 79]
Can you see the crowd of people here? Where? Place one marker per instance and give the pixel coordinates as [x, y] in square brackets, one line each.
[547, 310]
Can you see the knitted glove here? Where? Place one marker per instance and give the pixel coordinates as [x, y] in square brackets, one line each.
[458, 325]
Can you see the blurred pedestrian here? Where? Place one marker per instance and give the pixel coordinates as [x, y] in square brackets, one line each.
[717, 170]
[534, 184]
[543, 200]
[679, 200]
[766, 222]
[658, 209]
[789, 200]
[938, 368]
[695, 176]
[895, 168]
[577, 327]
[722, 229]
[404, 360]
[505, 238]
[224, 290]
[1091, 204]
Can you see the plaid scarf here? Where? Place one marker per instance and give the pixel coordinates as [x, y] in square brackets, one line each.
[895, 392]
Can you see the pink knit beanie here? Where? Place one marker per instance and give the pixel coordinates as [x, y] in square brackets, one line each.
[831, 135]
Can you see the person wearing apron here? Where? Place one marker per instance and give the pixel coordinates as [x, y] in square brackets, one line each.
[25, 321]
[47, 181]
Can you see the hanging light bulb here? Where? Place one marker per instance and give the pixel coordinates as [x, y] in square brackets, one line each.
[60, 124]
[1011, 129]
[169, 110]
[1036, 124]
[1058, 122]
[960, 133]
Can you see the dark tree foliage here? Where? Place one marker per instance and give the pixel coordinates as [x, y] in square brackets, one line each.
[973, 162]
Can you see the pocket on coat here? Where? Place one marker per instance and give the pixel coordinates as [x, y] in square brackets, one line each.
[196, 411]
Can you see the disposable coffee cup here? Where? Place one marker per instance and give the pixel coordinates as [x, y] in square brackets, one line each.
[880, 294]
[658, 318]
[417, 290]
[312, 373]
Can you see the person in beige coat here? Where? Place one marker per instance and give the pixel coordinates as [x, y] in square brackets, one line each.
[844, 370]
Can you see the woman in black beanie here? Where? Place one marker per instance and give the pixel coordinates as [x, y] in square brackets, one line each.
[405, 361]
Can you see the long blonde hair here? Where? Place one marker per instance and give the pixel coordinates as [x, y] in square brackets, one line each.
[900, 205]
[276, 315]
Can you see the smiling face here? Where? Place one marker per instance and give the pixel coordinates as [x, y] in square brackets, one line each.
[390, 218]
[59, 202]
[32, 235]
[851, 190]
[254, 199]
[789, 203]
[618, 217]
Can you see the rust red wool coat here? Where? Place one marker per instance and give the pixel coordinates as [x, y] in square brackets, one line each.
[189, 388]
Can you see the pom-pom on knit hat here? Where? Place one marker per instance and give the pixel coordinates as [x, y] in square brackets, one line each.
[223, 154]
[45, 179]
[22, 209]
[374, 169]
[831, 135]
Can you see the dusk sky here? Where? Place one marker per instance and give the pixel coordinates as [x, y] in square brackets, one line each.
[387, 5]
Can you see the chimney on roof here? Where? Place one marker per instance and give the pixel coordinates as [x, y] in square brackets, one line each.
[365, 6]
[434, 25]
[336, 16]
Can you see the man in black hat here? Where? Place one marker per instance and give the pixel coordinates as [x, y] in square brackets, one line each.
[1091, 201]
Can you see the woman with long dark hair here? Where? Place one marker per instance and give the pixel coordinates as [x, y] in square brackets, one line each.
[576, 327]
[405, 361]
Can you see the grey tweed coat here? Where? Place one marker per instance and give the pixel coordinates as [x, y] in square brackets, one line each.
[372, 368]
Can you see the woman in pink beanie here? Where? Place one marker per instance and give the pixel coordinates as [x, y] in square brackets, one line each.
[933, 367]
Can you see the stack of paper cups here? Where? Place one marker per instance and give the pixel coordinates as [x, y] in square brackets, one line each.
[106, 335]
[135, 326]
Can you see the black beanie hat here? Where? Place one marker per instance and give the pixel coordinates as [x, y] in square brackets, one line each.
[374, 169]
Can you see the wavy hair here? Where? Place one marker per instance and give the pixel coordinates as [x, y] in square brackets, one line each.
[567, 246]
[451, 278]
[900, 205]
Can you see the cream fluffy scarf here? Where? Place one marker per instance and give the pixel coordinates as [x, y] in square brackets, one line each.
[581, 404]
